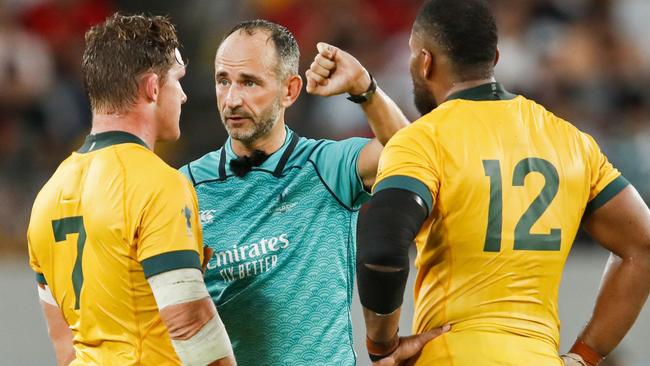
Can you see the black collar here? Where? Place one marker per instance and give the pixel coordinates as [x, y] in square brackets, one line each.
[279, 168]
[489, 91]
[105, 139]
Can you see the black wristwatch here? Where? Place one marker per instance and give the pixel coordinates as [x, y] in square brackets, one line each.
[365, 96]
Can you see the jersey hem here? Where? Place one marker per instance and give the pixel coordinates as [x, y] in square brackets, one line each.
[40, 278]
[407, 183]
[606, 194]
[170, 261]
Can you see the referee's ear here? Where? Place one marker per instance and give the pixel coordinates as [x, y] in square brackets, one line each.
[290, 90]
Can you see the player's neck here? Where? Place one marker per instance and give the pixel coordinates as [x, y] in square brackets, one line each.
[269, 143]
[125, 122]
[462, 85]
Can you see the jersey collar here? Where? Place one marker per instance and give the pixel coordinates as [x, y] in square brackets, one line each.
[274, 164]
[489, 91]
[104, 139]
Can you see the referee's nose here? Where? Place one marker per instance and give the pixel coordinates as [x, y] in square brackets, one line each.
[233, 98]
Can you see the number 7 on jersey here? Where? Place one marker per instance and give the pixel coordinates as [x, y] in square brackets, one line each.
[73, 225]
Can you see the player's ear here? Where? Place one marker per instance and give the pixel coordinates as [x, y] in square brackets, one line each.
[428, 64]
[291, 89]
[150, 86]
[496, 57]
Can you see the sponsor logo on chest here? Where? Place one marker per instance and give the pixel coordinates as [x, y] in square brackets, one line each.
[246, 260]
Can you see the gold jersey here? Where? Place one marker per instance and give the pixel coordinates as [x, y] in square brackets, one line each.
[112, 215]
[507, 184]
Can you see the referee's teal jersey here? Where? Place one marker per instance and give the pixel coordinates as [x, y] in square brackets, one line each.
[284, 240]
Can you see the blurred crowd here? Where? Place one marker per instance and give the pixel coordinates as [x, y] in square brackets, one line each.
[586, 60]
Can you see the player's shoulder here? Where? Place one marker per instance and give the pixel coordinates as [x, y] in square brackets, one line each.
[47, 194]
[544, 119]
[422, 131]
[141, 165]
[203, 169]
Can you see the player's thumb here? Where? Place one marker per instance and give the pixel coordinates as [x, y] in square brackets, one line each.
[326, 49]
[427, 336]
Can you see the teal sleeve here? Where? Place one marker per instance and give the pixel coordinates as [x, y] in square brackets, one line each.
[336, 163]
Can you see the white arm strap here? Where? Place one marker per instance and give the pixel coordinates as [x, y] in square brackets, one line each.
[179, 286]
[45, 295]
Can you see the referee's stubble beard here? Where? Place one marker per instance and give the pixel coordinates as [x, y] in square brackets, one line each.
[248, 128]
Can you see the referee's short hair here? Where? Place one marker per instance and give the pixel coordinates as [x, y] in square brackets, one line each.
[465, 30]
[285, 44]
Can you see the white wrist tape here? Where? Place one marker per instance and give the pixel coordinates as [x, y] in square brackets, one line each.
[573, 359]
[211, 342]
[207, 345]
[46, 295]
[178, 286]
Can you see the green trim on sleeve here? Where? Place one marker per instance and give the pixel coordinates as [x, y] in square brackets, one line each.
[170, 261]
[408, 183]
[611, 190]
[40, 278]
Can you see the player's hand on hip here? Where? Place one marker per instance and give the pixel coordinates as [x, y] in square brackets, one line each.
[410, 346]
[573, 359]
[335, 71]
[207, 255]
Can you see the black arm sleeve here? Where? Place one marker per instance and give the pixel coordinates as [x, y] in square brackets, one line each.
[384, 234]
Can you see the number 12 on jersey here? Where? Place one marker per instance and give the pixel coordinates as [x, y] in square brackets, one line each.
[524, 240]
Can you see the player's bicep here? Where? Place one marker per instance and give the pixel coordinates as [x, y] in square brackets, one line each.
[408, 165]
[622, 224]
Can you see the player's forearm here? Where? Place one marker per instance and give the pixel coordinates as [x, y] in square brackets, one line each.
[64, 354]
[623, 292]
[384, 116]
[381, 328]
[60, 335]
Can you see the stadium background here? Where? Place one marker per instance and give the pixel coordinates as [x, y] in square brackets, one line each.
[586, 60]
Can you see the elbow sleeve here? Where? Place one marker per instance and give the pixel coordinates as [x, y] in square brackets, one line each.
[385, 233]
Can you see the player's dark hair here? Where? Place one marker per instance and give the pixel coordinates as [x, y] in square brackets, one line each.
[119, 51]
[465, 29]
[283, 40]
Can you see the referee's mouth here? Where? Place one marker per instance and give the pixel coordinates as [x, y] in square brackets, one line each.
[237, 120]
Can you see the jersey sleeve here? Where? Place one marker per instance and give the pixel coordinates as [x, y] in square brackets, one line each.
[169, 236]
[605, 180]
[336, 162]
[33, 262]
[409, 162]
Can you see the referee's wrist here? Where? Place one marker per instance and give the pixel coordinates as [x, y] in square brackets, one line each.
[366, 94]
[363, 84]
